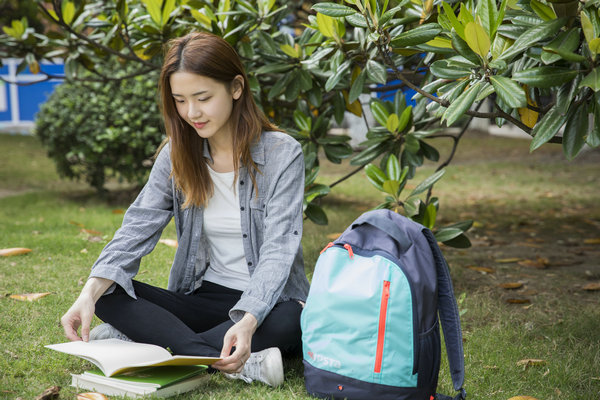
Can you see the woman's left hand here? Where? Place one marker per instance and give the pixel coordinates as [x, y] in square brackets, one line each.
[240, 337]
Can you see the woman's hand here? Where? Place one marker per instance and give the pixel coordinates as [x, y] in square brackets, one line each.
[82, 311]
[240, 336]
[79, 315]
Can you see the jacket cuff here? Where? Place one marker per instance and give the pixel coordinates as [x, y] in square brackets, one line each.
[254, 306]
[117, 276]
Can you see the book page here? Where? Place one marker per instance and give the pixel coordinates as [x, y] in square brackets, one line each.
[113, 356]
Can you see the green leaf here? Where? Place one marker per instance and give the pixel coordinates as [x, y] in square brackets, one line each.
[337, 76]
[463, 49]
[587, 26]
[565, 41]
[459, 242]
[380, 113]
[488, 14]
[326, 25]
[68, 11]
[509, 91]
[357, 86]
[461, 104]
[375, 175]
[302, 121]
[391, 186]
[316, 190]
[545, 129]
[289, 50]
[392, 167]
[442, 69]
[593, 137]
[392, 123]
[576, 129]
[594, 46]
[333, 9]
[532, 36]
[444, 234]
[544, 11]
[405, 118]
[545, 77]
[168, 8]
[477, 39]
[500, 17]
[376, 72]
[357, 20]
[369, 154]
[310, 177]
[271, 68]
[430, 216]
[153, 7]
[316, 214]
[419, 35]
[427, 183]
[458, 27]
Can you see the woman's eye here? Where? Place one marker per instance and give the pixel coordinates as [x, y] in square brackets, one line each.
[206, 99]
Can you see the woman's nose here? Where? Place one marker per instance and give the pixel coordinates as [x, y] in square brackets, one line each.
[194, 111]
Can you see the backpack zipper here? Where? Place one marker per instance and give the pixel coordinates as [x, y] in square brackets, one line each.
[385, 296]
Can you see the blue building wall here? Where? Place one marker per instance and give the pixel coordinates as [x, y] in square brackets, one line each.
[19, 103]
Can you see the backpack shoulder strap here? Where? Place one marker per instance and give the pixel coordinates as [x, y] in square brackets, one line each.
[449, 317]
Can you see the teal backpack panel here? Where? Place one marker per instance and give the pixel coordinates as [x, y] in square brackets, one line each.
[358, 319]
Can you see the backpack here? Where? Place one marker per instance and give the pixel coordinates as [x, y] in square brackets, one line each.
[370, 325]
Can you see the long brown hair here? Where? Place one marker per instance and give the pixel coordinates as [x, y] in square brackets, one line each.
[211, 56]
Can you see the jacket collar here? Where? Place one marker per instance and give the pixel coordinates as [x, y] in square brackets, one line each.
[257, 152]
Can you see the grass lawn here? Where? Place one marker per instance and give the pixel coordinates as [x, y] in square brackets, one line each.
[537, 223]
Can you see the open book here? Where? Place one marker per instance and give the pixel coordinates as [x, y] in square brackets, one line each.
[114, 356]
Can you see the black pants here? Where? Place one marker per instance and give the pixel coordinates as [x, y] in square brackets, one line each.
[194, 324]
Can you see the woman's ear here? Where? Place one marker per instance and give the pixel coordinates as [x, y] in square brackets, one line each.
[237, 86]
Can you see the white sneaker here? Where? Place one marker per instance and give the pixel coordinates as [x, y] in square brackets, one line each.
[107, 331]
[265, 366]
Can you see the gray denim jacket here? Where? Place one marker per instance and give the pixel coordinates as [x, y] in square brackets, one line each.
[271, 228]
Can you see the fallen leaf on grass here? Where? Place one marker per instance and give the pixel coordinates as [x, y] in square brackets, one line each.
[169, 242]
[333, 236]
[118, 211]
[91, 231]
[592, 286]
[15, 251]
[91, 396]
[29, 296]
[484, 270]
[533, 245]
[531, 362]
[522, 398]
[49, 394]
[592, 241]
[508, 260]
[518, 301]
[79, 224]
[539, 263]
[511, 285]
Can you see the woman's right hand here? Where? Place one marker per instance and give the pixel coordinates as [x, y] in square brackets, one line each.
[82, 311]
[79, 315]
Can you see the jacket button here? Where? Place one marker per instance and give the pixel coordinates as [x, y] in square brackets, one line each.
[244, 236]
[242, 208]
[249, 263]
[241, 182]
[295, 232]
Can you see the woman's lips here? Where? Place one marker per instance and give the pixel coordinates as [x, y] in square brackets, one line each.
[199, 125]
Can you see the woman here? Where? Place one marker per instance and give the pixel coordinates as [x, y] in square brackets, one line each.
[234, 185]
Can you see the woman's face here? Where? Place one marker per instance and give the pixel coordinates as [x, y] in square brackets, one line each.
[205, 103]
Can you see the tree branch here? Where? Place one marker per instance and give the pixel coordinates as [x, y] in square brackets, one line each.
[93, 43]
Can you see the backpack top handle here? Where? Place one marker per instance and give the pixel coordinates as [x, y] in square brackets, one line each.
[380, 219]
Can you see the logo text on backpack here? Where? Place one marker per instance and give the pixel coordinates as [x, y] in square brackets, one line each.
[327, 361]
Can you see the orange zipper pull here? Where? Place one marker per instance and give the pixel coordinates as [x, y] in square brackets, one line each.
[349, 248]
[326, 247]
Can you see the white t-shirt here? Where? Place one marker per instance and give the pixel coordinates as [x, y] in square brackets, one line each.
[223, 229]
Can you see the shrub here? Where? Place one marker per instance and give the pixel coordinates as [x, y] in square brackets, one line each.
[95, 130]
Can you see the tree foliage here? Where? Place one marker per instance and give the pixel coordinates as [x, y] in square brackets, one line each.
[536, 60]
